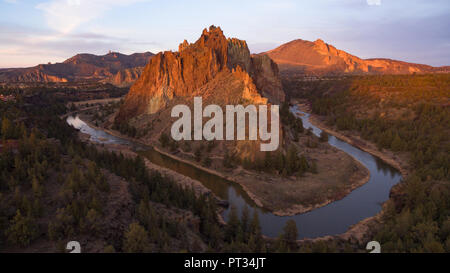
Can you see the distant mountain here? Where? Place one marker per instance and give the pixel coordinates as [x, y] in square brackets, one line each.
[320, 58]
[109, 68]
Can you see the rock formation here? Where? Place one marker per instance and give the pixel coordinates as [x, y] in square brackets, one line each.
[125, 77]
[113, 67]
[213, 62]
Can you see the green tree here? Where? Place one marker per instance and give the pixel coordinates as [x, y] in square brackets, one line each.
[255, 234]
[62, 227]
[164, 140]
[233, 225]
[245, 220]
[290, 233]
[207, 161]
[109, 249]
[291, 160]
[92, 219]
[135, 239]
[22, 230]
[7, 128]
[323, 136]
[397, 143]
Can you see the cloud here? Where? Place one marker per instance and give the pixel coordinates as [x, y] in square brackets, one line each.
[66, 15]
[28, 46]
[10, 1]
[374, 2]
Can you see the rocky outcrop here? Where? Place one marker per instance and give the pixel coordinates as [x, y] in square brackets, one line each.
[319, 58]
[29, 75]
[126, 77]
[171, 75]
[113, 67]
[266, 76]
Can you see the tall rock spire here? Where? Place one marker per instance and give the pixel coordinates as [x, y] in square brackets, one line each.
[179, 74]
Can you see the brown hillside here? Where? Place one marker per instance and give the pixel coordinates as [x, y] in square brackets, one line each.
[81, 67]
[320, 58]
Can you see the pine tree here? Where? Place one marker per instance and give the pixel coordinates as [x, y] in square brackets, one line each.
[37, 189]
[233, 225]
[291, 160]
[135, 239]
[22, 230]
[245, 222]
[323, 136]
[109, 249]
[397, 143]
[290, 233]
[7, 129]
[255, 233]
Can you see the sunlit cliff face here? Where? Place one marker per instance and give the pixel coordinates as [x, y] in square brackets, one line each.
[180, 74]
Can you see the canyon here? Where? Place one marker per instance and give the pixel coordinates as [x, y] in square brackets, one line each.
[222, 72]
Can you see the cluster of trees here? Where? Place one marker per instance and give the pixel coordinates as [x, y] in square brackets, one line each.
[168, 142]
[243, 234]
[422, 223]
[420, 220]
[125, 128]
[424, 137]
[28, 175]
[287, 164]
[24, 170]
[148, 186]
[403, 89]
[397, 89]
[82, 199]
[11, 130]
[105, 110]
[51, 163]
[200, 150]
[290, 122]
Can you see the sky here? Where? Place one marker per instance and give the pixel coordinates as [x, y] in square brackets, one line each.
[41, 31]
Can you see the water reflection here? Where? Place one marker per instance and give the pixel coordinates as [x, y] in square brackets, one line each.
[332, 219]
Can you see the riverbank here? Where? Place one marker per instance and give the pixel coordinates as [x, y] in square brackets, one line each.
[253, 197]
[317, 226]
[243, 179]
[286, 196]
[398, 162]
[361, 231]
[182, 180]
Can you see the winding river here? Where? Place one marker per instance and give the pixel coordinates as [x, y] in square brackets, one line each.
[334, 218]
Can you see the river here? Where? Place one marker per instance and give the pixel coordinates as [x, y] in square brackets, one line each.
[332, 219]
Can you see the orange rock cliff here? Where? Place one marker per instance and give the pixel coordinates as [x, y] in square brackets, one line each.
[180, 74]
